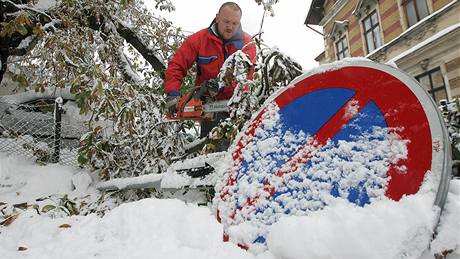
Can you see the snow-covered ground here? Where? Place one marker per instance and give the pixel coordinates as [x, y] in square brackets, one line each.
[170, 228]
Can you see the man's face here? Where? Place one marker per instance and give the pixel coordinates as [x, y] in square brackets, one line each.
[228, 22]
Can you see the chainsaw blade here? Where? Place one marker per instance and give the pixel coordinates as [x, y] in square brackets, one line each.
[217, 106]
[197, 172]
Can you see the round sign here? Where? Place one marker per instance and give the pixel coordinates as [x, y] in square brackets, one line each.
[358, 132]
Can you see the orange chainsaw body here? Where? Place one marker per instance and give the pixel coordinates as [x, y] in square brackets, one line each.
[190, 109]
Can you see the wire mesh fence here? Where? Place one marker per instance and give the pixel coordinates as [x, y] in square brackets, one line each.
[41, 131]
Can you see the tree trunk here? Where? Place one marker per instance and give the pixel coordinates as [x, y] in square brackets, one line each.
[3, 60]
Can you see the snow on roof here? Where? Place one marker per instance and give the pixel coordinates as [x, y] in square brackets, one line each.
[425, 42]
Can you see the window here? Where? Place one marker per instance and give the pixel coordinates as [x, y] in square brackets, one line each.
[372, 31]
[434, 83]
[342, 48]
[415, 11]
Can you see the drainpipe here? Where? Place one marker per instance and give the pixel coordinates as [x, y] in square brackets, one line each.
[313, 29]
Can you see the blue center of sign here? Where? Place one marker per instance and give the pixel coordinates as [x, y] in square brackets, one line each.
[310, 112]
[304, 117]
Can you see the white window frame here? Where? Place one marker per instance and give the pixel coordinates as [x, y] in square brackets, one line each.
[363, 30]
[339, 39]
[403, 11]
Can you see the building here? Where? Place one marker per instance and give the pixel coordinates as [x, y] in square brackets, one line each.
[421, 37]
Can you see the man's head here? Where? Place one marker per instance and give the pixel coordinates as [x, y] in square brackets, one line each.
[228, 20]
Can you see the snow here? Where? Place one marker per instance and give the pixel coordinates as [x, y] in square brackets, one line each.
[27, 96]
[29, 181]
[45, 4]
[173, 179]
[148, 180]
[320, 225]
[25, 42]
[148, 228]
[339, 170]
[127, 67]
[449, 228]
[352, 109]
[170, 228]
[408, 222]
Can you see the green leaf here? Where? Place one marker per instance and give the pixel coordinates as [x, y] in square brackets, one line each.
[21, 79]
[37, 30]
[82, 160]
[23, 19]
[47, 208]
[22, 29]
[7, 28]
[22, 206]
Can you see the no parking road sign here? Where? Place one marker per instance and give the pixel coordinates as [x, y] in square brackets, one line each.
[357, 131]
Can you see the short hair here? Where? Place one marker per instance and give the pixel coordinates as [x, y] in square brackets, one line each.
[232, 5]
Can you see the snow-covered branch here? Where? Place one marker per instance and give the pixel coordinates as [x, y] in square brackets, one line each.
[148, 53]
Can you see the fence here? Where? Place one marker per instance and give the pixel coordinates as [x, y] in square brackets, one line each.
[45, 131]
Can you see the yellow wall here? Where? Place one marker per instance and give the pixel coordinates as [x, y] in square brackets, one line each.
[453, 75]
[353, 29]
[390, 19]
[438, 4]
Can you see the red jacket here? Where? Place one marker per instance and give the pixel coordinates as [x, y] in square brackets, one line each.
[209, 51]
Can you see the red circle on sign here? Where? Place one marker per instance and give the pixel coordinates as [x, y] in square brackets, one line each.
[401, 109]
[406, 108]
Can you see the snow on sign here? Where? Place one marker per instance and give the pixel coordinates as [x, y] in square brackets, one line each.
[357, 132]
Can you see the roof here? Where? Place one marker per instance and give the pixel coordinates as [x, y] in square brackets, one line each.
[320, 56]
[316, 12]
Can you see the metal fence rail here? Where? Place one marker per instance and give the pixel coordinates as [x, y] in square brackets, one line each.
[38, 132]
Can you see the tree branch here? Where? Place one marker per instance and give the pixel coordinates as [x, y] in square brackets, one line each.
[135, 41]
[10, 44]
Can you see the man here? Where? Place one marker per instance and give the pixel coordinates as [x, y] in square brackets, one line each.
[208, 48]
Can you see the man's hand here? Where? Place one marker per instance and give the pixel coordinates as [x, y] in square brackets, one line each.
[171, 104]
[213, 87]
[210, 87]
[213, 92]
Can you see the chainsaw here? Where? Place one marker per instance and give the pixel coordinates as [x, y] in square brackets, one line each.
[192, 107]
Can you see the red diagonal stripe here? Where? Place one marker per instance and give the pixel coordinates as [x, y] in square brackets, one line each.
[331, 128]
[341, 118]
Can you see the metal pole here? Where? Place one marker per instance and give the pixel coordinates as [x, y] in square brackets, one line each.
[57, 129]
[313, 29]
